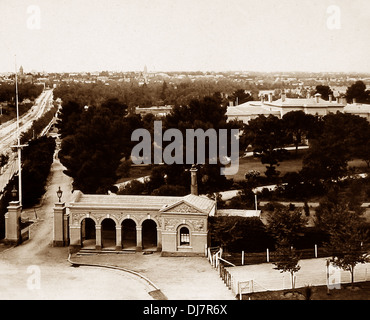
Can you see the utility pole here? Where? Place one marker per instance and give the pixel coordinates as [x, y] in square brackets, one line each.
[18, 146]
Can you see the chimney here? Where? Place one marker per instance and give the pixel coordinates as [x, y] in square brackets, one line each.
[283, 96]
[231, 104]
[194, 182]
[317, 97]
[270, 96]
[330, 98]
[354, 101]
[308, 95]
[262, 99]
[338, 100]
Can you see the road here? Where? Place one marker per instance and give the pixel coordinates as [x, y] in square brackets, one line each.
[36, 270]
[8, 133]
[8, 130]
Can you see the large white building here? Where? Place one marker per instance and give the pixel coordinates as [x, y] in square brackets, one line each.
[311, 105]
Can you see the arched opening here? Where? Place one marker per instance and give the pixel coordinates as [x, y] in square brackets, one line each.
[108, 233]
[128, 234]
[149, 234]
[88, 233]
[184, 236]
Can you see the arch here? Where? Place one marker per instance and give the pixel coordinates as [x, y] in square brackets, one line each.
[184, 235]
[88, 233]
[88, 216]
[108, 233]
[131, 217]
[149, 234]
[148, 217]
[128, 227]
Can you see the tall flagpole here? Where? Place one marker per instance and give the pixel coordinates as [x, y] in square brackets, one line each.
[18, 137]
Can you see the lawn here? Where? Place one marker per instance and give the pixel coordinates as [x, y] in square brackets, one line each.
[360, 291]
[294, 164]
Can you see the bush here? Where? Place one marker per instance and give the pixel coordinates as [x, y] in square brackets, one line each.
[239, 233]
[170, 190]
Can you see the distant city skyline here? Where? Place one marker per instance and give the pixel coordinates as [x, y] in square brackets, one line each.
[192, 35]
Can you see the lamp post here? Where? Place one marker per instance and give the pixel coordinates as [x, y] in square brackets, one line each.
[14, 192]
[59, 193]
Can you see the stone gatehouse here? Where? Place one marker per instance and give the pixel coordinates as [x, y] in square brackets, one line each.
[172, 225]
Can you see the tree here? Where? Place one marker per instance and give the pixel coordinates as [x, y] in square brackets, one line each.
[93, 152]
[347, 232]
[285, 225]
[342, 139]
[268, 137]
[238, 233]
[68, 118]
[205, 113]
[287, 261]
[240, 97]
[37, 160]
[358, 91]
[325, 91]
[244, 200]
[298, 125]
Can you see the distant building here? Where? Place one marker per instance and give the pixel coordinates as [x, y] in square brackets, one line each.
[358, 109]
[311, 105]
[157, 111]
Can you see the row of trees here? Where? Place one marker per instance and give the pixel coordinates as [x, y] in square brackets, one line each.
[333, 139]
[37, 158]
[96, 139]
[147, 95]
[25, 91]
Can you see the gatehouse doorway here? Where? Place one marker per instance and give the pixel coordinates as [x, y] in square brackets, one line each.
[149, 235]
[108, 234]
[88, 233]
[128, 234]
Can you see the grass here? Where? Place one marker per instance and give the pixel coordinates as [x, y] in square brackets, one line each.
[360, 291]
[294, 164]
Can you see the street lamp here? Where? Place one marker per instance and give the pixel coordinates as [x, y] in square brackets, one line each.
[14, 192]
[59, 193]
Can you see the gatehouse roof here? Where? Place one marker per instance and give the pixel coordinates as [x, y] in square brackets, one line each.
[162, 203]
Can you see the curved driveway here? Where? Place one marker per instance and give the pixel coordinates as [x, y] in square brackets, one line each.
[36, 270]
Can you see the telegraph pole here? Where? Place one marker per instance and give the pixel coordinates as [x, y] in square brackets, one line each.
[18, 146]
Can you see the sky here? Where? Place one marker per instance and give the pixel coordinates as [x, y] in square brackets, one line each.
[186, 35]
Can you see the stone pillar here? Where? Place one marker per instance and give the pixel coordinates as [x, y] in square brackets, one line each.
[159, 240]
[59, 239]
[139, 243]
[98, 237]
[12, 223]
[66, 230]
[75, 236]
[118, 238]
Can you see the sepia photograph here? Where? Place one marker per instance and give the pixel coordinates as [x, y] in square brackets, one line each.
[185, 155]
